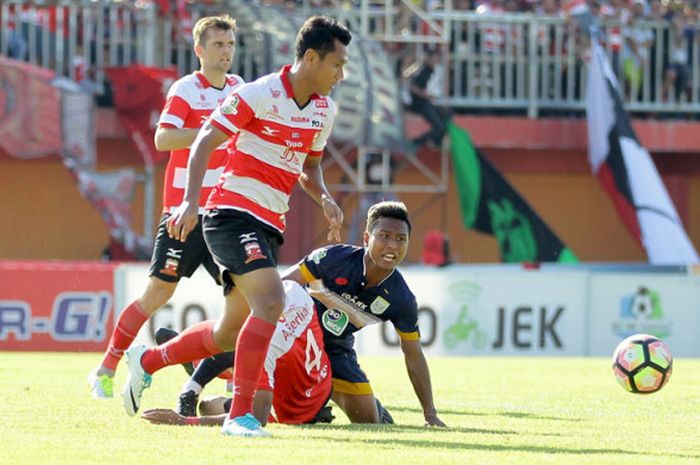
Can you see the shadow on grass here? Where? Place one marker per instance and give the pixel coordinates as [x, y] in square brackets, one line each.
[432, 443]
[526, 415]
[410, 428]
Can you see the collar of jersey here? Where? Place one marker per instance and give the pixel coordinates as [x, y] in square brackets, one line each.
[205, 82]
[284, 77]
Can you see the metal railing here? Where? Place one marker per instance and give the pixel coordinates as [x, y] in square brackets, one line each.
[518, 63]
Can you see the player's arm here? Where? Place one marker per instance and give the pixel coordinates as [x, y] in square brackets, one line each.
[311, 181]
[171, 138]
[215, 414]
[419, 374]
[185, 218]
[166, 416]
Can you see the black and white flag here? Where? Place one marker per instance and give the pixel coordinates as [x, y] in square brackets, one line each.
[627, 171]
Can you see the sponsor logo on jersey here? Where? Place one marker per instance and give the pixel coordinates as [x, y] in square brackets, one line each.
[340, 281]
[317, 255]
[317, 124]
[321, 103]
[335, 321]
[379, 305]
[231, 106]
[294, 144]
[299, 119]
[275, 93]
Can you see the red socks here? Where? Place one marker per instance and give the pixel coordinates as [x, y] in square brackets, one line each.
[130, 321]
[194, 343]
[251, 350]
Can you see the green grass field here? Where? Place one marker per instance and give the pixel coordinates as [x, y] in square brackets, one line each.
[500, 411]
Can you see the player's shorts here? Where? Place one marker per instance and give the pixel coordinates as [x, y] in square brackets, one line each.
[173, 259]
[348, 377]
[239, 243]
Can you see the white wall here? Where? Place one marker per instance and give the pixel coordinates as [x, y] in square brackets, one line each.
[495, 310]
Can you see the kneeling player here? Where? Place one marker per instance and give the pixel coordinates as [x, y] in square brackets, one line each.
[296, 379]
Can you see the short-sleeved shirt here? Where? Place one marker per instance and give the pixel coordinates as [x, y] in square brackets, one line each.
[342, 270]
[190, 101]
[297, 368]
[274, 137]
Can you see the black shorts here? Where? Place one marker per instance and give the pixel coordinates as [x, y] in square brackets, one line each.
[173, 259]
[239, 243]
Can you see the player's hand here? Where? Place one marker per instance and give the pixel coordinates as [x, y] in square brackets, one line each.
[334, 215]
[164, 416]
[183, 221]
[432, 421]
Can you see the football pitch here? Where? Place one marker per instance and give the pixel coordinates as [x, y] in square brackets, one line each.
[500, 411]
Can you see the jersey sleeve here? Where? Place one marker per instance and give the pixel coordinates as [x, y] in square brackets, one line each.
[237, 110]
[176, 107]
[320, 141]
[406, 320]
[316, 265]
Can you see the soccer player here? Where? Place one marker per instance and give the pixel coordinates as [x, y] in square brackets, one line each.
[280, 123]
[190, 101]
[360, 286]
[296, 379]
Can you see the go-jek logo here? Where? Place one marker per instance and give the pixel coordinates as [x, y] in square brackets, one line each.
[641, 312]
[75, 316]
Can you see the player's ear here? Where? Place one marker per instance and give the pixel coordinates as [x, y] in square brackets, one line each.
[366, 238]
[311, 56]
[198, 50]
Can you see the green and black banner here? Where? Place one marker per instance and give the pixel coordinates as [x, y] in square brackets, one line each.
[492, 206]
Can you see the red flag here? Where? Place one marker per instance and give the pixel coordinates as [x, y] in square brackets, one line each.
[139, 96]
[30, 120]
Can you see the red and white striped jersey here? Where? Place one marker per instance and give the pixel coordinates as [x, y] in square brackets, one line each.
[274, 138]
[191, 99]
[297, 368]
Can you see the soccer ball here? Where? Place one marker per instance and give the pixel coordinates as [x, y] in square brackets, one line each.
[642, 364]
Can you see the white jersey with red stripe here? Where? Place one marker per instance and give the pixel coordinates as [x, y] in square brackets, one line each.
[274, 138]
[297, 368]
[191, 99]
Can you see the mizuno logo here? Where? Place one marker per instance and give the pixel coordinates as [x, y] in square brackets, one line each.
[269, 131]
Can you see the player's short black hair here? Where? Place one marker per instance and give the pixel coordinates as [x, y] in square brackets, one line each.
[320, 33]
[387, 209]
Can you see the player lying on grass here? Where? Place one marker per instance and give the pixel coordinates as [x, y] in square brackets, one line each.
[296, 380]
[354, 287]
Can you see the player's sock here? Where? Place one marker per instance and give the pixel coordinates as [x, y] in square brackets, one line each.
[191, 386]
[251, 349]
[193, 343]
[130, 321]
[212, 367]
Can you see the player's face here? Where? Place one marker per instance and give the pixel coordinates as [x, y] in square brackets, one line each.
[387, 243]
[329, 71]
[217, 50]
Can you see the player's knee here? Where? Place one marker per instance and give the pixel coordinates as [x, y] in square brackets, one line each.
[156, 295]
[269, 307]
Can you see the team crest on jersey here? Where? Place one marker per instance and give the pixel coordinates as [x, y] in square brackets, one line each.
[253, 251]
[379, 305]
[275, 93]
[321, 103]
[317, 255]
[335, 321]
[231, 107]
[170, 267]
